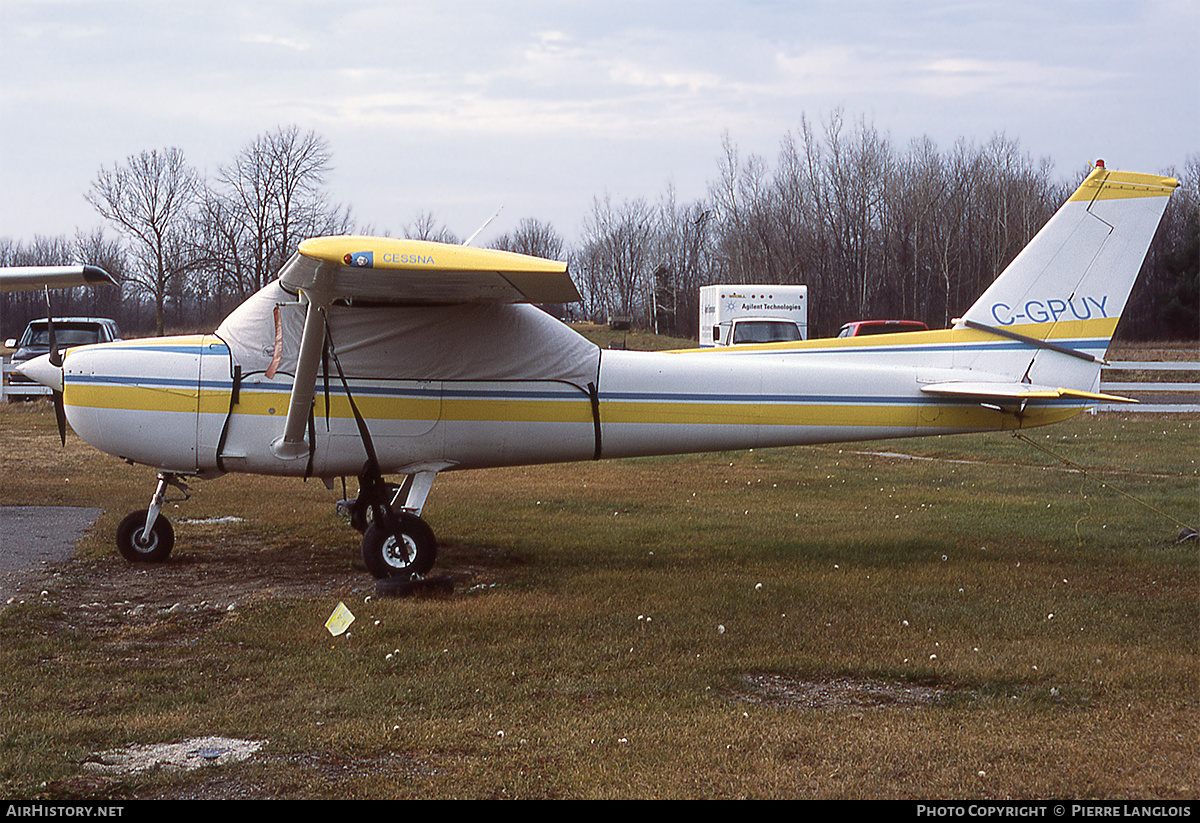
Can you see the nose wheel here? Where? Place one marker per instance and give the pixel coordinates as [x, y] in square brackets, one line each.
[146, 536]
[137, 545]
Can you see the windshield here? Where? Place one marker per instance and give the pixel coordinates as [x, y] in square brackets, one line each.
[65, 334]
[765, 331]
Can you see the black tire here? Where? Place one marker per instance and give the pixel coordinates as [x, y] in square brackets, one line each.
[408, 548]
[136, 548]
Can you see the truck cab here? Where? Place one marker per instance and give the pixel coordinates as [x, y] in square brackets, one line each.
[756, 330]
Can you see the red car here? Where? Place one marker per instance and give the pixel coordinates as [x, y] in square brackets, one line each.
[861, 327]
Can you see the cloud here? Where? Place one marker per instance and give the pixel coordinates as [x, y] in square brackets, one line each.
[956, 77]
[619, 96]
[290, 43]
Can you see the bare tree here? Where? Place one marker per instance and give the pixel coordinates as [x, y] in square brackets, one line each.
[617, 248]
[682, 249]
[426, 226]
[300, 163]
[95, 249]
[268, 199]
[586, 263]
[150, 200]
[743, 205]
[534, 238]
[221, 240]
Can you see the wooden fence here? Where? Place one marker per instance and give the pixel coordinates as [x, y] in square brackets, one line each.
[1152, 397]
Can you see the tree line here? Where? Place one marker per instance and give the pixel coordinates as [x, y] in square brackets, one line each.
[874, 230]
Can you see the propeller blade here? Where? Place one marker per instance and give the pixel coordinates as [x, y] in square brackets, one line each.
[60, 411]
[60, 415]
[55, 356]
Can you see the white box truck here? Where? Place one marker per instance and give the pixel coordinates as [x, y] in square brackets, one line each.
[730, 315]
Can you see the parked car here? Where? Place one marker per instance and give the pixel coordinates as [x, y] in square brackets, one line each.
[860, 327]
[68, 332]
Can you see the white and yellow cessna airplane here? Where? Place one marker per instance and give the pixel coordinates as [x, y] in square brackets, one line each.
[376, 357]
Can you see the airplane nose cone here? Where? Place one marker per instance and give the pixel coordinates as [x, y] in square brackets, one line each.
[41, 370]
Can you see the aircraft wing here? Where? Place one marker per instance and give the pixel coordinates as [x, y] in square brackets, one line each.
[400, 272]
[1009, 393]
[389, 270]
[27, 278]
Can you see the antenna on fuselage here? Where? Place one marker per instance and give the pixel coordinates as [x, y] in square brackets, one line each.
[467, 242]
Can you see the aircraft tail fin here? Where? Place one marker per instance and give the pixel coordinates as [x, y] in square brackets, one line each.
[1064, 293]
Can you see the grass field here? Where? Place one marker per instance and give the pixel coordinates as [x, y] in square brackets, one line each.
[944, 618]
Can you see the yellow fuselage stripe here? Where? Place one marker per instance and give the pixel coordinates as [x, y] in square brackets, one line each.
[903, 413]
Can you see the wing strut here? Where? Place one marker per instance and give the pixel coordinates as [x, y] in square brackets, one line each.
[293, 444]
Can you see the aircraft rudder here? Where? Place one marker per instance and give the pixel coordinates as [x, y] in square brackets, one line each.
[1077, 272]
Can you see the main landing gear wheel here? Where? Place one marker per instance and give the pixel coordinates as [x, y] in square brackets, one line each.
[406, 546]
[136, 546]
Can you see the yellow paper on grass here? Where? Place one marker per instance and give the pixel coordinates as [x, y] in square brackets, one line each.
[340, 620]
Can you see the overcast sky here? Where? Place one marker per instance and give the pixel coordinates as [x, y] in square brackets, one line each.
[460, 108]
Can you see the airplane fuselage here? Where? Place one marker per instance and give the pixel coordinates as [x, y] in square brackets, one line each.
[174, 403]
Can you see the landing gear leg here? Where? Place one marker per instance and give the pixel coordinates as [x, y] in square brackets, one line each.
[147, 536]
[397, 542]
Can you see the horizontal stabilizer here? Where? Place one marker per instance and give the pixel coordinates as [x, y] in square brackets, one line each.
[389, 270]
[27, 278]
[1009, 393]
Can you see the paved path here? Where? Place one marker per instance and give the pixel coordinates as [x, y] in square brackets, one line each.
[34, 540]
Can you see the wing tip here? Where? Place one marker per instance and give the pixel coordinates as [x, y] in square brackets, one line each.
[95, 274]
